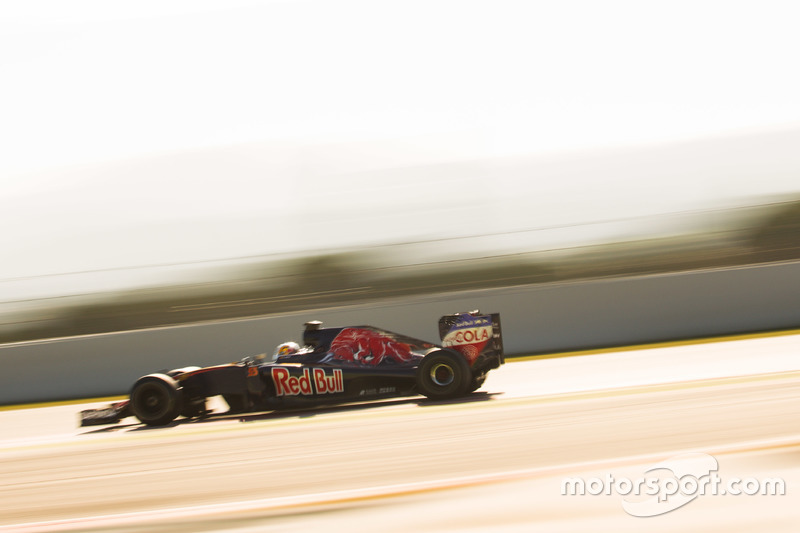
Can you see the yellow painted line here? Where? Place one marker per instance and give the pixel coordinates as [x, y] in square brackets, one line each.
[655, 345]
[108, 399]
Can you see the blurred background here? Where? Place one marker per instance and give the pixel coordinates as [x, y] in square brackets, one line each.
[171, 162]
[166, 163]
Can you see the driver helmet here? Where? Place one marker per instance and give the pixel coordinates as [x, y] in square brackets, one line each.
[285, 349]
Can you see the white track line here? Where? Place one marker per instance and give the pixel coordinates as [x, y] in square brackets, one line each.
[305, 501]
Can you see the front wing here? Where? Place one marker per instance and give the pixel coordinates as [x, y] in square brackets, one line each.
[105, 415]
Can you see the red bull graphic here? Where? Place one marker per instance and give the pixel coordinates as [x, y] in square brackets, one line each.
[311, 382]
[325, 384]
[368, 347]
[469, 336]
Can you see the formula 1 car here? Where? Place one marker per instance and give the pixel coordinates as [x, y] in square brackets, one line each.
[335, 365]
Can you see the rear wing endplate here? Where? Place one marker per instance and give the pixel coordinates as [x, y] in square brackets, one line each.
[475, 335]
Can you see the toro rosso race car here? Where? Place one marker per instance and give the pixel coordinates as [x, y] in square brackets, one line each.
[334, 365]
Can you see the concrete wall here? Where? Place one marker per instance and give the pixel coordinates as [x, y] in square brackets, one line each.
[536, 319]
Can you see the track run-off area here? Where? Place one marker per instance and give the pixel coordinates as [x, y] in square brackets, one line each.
[496, 460]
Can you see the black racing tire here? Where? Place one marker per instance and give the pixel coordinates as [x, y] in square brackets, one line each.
[476, 383]
[443, 374]
[156, 399]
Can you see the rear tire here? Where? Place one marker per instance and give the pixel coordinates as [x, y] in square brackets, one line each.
[156, 399]
[443, 374]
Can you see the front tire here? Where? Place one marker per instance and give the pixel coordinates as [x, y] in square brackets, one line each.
[156, 399]
[443, 374]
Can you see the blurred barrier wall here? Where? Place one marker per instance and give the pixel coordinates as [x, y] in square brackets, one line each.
[536, 319]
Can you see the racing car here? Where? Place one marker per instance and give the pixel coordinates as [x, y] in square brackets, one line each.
[334, 365]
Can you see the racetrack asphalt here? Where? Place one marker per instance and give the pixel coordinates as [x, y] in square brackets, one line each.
[492, 460]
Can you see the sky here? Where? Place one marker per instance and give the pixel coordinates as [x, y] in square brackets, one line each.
[159, 132]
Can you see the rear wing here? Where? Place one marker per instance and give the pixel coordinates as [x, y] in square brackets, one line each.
[478, 337]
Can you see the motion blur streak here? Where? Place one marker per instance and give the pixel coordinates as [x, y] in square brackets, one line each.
[531, 420]
[483, 256]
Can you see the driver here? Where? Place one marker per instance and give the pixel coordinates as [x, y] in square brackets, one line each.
[286, 349]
